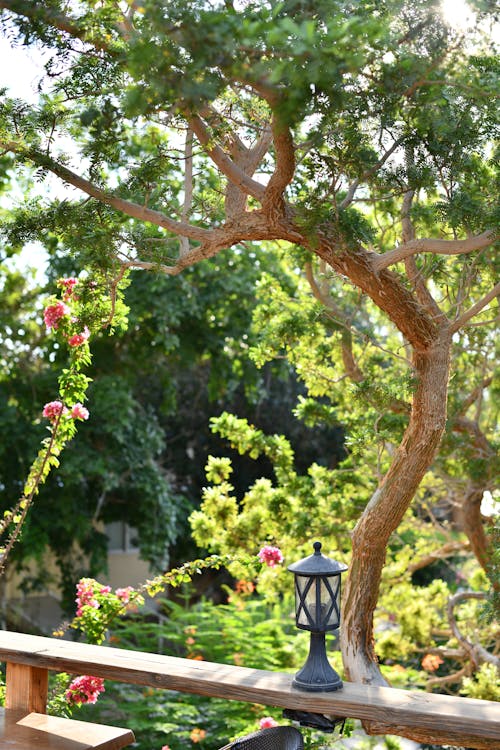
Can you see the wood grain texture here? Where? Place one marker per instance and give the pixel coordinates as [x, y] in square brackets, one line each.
[26, 687]
[40, 732]
[442, 715]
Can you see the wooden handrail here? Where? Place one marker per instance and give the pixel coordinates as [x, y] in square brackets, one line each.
[451, 720]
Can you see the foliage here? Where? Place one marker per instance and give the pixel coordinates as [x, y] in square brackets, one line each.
[74, 319]
[483, 685]
[296, 508]
[141, 398]
[98, 606]
[360, 138]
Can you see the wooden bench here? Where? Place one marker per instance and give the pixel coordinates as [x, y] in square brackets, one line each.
[447, 719]
[24, 724]
[22, 731]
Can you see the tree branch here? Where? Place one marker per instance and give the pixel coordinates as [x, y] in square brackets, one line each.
[129, 208]
[470, 506]
[257, 152]
[408, 235]
[450, 679]
[476, 436]
[473, 526]
[147, 265]
[447, 550]
[350, 365]
[60, 21]
[475, 309]
[475, 394]
[476, 652]
[284, 168]
[247, 159]
[384, 288]
[126, 27]
[188, 186]
[438, 247]
[355, 184]
[227, 166]
[251, 225]
[318, 293]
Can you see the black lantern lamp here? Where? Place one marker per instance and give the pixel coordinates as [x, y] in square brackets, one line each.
[317, 608]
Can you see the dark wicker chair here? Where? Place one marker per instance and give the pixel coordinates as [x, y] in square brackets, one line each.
[273, 738]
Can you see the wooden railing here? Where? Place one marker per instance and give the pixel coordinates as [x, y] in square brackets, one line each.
[445, 719]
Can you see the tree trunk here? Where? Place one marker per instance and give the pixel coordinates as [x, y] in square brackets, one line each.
[388, 506]
[472, 524]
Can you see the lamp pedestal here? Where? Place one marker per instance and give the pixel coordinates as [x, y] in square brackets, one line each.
[317, 675]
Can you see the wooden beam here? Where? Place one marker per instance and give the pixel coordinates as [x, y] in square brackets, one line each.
[26, 687]
[475, 723]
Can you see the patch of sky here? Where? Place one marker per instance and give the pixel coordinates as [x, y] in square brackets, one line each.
[21, 70]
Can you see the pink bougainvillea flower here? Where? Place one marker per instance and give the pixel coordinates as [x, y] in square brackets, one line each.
[85, 689]
[53, 409]
[79, 412]
[85, 596]
[105, 589]
[124, 594]
[270, 555]
[79, 338]
[53, 314]
[68, 285]
[166, 747]
[267, 722]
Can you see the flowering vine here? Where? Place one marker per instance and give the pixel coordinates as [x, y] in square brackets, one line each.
[85, 689]
[97, 606]
[83, 309]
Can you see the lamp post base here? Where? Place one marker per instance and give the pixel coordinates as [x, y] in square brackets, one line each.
[317, 675]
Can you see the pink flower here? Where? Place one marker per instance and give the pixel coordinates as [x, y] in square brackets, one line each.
[85, 595]
[85, 689]
[105, 589]
[68, 285]
[166, 747]
[53, 409]
[79, 338]
[267, 722]
[270, 555]
[53, 314]
[79, 412]
[124, 594]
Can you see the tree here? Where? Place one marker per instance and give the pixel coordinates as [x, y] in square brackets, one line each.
[415, 613]
[359, 132]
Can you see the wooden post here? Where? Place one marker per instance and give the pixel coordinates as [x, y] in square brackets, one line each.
[26, 688]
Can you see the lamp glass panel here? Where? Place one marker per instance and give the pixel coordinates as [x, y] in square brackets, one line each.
[305, 600]
[318, 598]
[330, 595]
